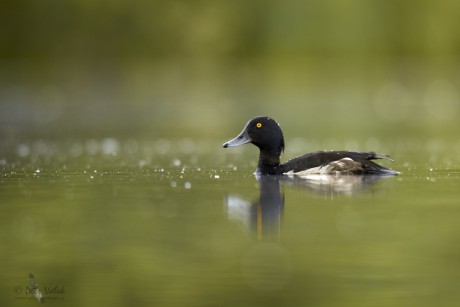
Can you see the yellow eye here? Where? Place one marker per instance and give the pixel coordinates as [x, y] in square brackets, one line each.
[259, 125]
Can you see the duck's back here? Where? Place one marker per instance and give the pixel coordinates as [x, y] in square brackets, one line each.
[333, 162]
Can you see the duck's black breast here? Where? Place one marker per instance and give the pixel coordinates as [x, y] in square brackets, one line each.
[330, 162]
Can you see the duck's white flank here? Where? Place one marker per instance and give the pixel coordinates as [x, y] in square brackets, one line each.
[344, 165]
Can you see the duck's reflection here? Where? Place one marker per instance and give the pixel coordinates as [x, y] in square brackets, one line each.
[263, 216]
[335, 184]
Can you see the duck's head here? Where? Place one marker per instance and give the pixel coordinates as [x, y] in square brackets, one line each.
[262, 131]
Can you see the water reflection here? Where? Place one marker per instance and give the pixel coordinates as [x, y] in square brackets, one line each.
[335, 184]
[263, 216]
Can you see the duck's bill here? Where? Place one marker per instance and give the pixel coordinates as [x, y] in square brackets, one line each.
[241, 139]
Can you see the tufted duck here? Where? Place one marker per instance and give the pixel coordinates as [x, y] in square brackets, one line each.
[266, 134]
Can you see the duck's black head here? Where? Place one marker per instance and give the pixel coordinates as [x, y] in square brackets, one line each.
[266, 134]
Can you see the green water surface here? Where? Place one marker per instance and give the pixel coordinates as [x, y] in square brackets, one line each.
[115, 223]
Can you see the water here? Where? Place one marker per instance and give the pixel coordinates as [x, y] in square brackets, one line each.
[184, 223]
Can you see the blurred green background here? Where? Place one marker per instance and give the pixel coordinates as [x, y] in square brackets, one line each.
[112, 116]
[203, 68]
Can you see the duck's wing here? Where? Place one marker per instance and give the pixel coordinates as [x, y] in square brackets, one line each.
[337, 161]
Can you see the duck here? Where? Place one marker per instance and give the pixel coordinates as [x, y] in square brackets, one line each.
[266, 134]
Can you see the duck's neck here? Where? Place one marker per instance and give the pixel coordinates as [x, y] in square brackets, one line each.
[268, 162]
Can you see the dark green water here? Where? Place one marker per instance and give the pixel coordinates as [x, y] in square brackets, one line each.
[181, 223]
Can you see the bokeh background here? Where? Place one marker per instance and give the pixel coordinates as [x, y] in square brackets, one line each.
[201, 69]
[113, 179]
